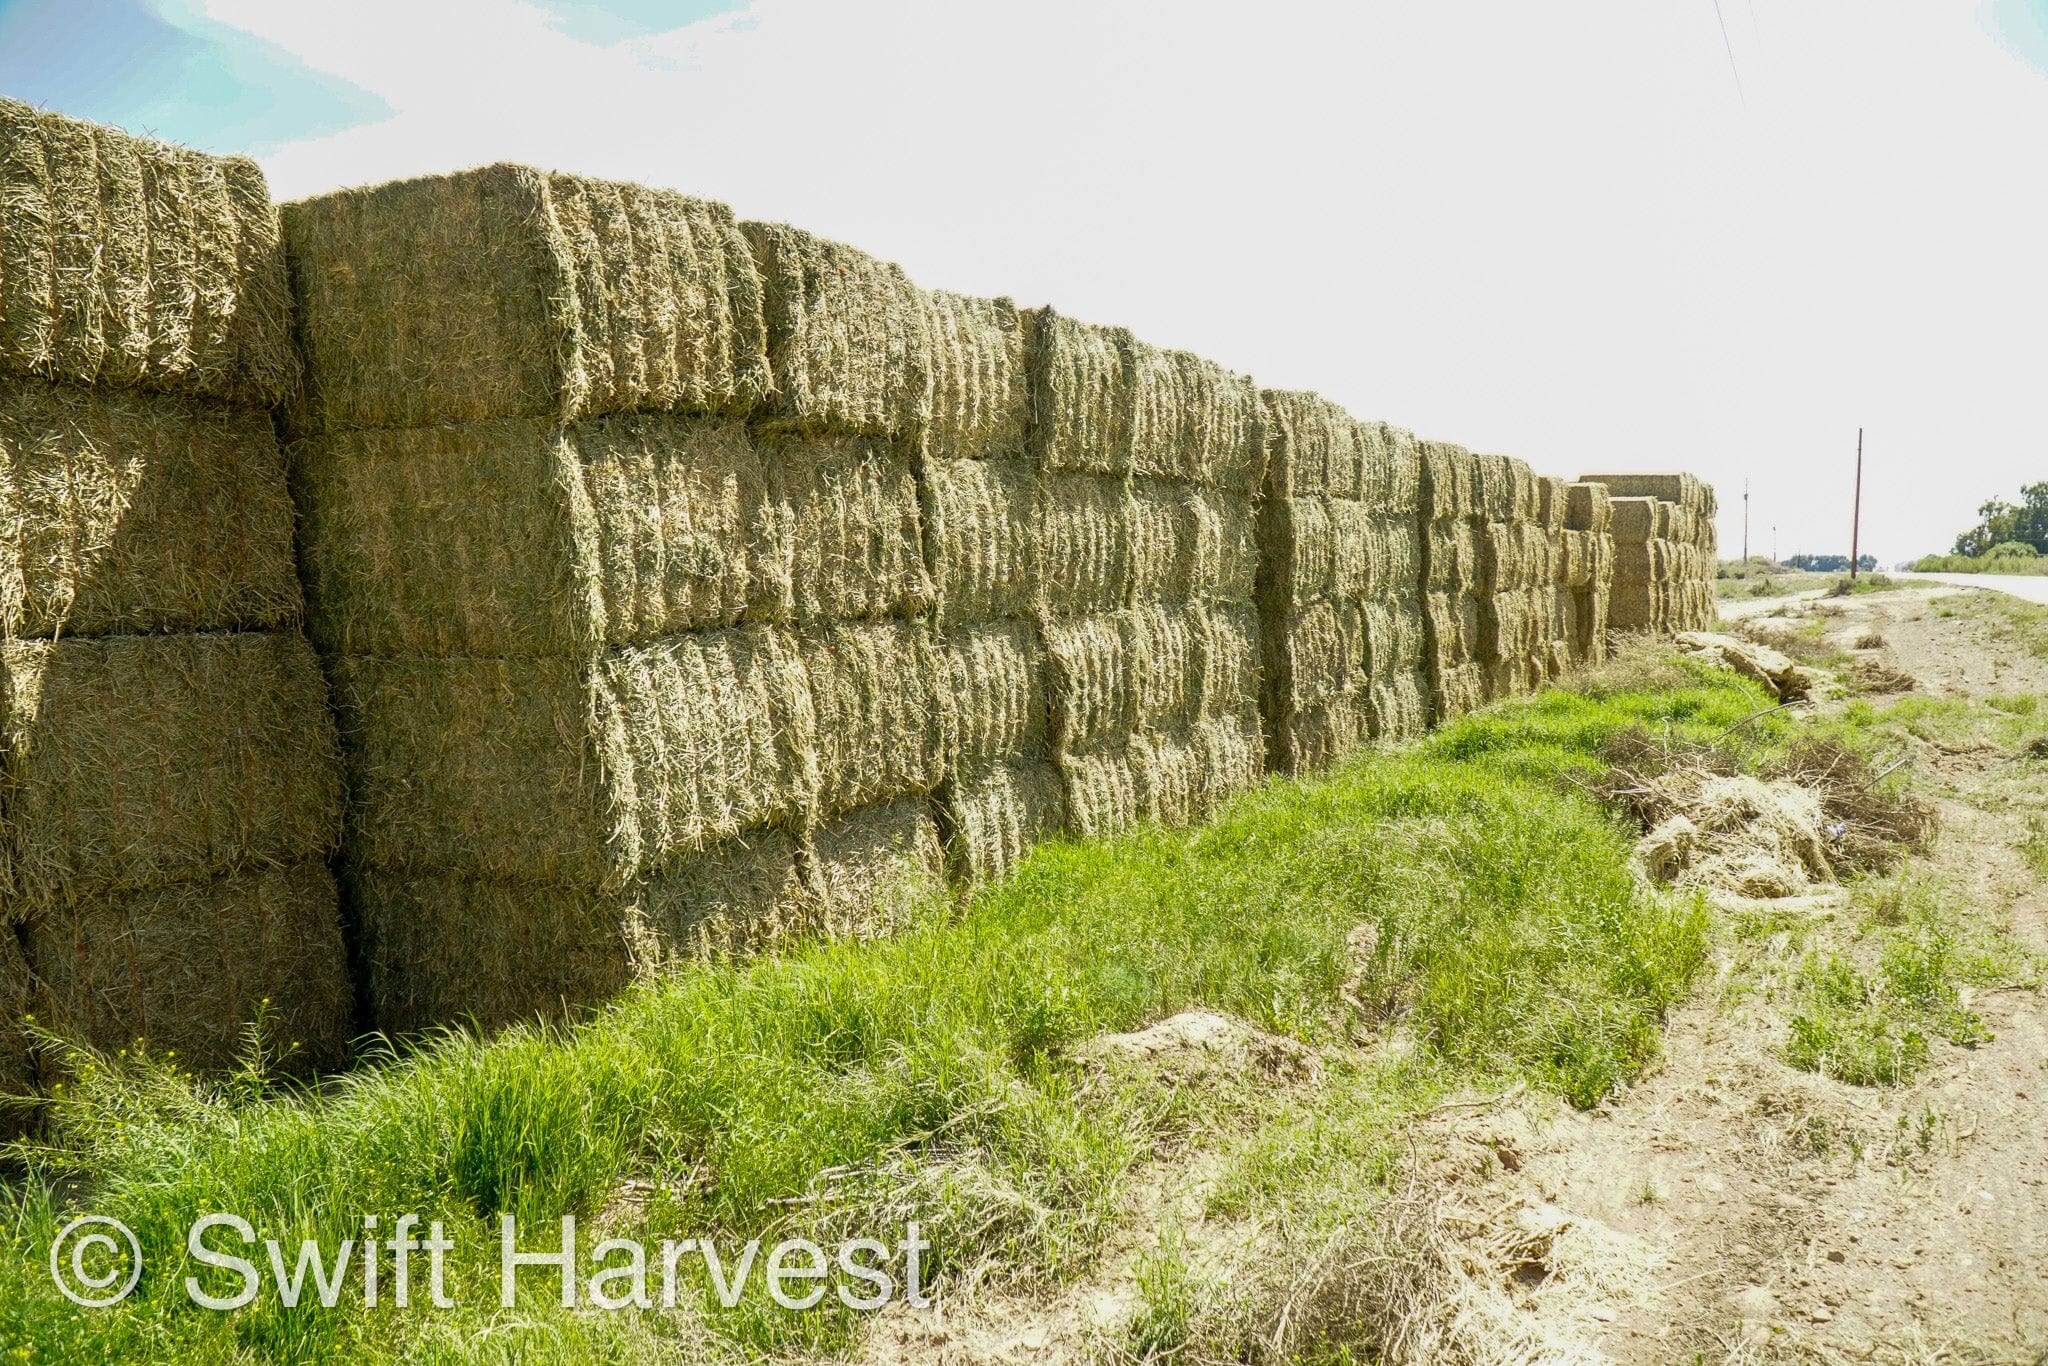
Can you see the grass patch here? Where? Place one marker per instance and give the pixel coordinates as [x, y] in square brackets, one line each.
[2012, 622]
[846, 1088]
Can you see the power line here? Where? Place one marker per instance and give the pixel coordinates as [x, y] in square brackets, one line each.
[1733, 70]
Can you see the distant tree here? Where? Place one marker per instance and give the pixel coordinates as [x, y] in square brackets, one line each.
[2024, 522]
[1831, 564]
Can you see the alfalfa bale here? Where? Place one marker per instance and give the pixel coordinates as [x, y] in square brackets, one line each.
[1184, 773]
[1551, 502]
[1079, 384]
[523, 537]
[980, 401]
[849, 513]
[1092, 680]
[130, 512]
[847, 339]
[1320, 735]
[1313, 447]
[1085, 526]
[983, 551]
[1398, 707]
[511, 292]
[995, 816]
[19, 1072]
[1191, 541]
[1588, 507]
[1686, 490]
[1193, 420]
[186, 967]
[1393, 635]
[1311, 656]
[131, 263]
[1449, 483]
[869, 865]
[1451, 628]
[576, 771]
[131, 761]
[995, 695]
[1451, 555]
[878, 693]
[1100, 785]
[1633, 521]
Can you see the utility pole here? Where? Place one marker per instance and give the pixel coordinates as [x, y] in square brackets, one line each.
[1774, 543]
[1745, 519]
[1856, 519]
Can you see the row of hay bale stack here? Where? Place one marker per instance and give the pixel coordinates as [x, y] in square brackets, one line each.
[1588, 575]
[612, 543]
[1341, 606]
[1147, 466]
[170, 789]
[1514, 574]
[1451, 516]
[1666, 550]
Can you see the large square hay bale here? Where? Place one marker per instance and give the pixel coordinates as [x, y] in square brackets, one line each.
[1399, 706]
[1450, 481]
[577, 771]
[128, 512]
[1185, 773]
[1395, 636]
[1588, 507]
[511, 292]
[1192, 419]
[848, 510]
[130, 761]
[1320, 735]
[1685, 490]
[1311, 656]
[878, 693]
[871, 864]
[1314, 449]
[19, 992]
[980, 401]
[983, 548]
[130, 263]
[1633, 521]
[1086, 529]
[1191, 541]
[1081, 417]
[1092, 680]
[995, 695]
[995, 816]
[187, 966]
[847, 336]
[1101, 788]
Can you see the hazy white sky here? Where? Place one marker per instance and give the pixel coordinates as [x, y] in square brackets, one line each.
[1558, 230]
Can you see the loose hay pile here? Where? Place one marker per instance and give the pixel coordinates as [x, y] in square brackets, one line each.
[1341, 583]
[168, 774]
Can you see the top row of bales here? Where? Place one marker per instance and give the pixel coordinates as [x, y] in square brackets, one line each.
[169, 783]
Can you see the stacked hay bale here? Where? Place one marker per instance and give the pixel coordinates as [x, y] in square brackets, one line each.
[1642, 566]
[620, 677]
[1514, 571]
[1589, 568]
[1340, 583]
[1686, 557]
[1147, 463]
[1450, 515]
[1555, 593]
[169, 783]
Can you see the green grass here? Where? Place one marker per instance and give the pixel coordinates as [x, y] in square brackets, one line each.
[847, 1088]
[2013, 622]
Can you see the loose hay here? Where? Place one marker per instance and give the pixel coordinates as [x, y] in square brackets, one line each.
[128, 512]
[185, 967]
[135, 264]
[130, 761]
[511, 292]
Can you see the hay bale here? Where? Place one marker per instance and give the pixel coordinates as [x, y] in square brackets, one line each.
[522, 537]
[128, 512]
[186, 966]
[1552, 502]
[130, 761]
[1394, 636]
[1092, 680]
[1311, 656]
[511, 292]
[995, 695]
[1079, 393]
[1185, 773]
[865, 864]
[1191, 542]
[1449, 481]
[848, 510]
[980, 402]
[1100, 788]
[19, 999]
[1314, 446]
[1633, 521]
[1588, 507]
[131, 263]
[1191, 419]
[1451, 555]
[577, 771]
[1456, 690]
[1318, 736]
[1686, 490]
[994, 816]
[847, 337]
[978, 529]
[878, 692]
[1086, 526]
[1391, 481]
[1451, 628]
[1193, 661]
[1398, 707]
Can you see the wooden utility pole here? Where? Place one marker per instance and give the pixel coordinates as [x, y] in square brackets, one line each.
[1745, 519]
[1856, 518]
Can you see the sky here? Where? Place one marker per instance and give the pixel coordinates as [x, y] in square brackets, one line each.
[1603, 235]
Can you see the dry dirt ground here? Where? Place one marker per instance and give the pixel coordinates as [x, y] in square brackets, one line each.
[1728, 1208]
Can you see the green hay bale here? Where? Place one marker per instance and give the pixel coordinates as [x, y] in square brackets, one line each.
[1394, 634]
[1633, 521]
[978, 527]
[1321, 735]
[877, 690]
[1311, 656]
[576, 771]
[1191, 661]
[1314, 446]
[995, 695]
[1588, 507]
[186, 967]
[1086, 526]
[848, 509]
[131, 263]
[1451, 629]
[1191, 542]
[1378, 556]
[1449, 481]
[1523, 496]
[1092, 679]
[1398, 707]
[980, 401]
[1297, 551]
[511, 292]
[847, 337]
[127, 512]
[1686, 490]
[869, 865]
[130, 761]
[1079, 387]
[1451, 555]
[1100, 788]
[995, 816]
[1191, 419]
